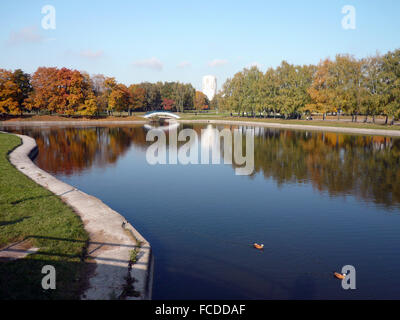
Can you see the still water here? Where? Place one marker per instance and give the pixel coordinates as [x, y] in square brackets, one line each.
[318, 201]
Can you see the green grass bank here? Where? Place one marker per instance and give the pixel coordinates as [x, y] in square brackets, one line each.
[34, 215]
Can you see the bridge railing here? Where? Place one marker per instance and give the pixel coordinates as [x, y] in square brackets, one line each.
[162, 114]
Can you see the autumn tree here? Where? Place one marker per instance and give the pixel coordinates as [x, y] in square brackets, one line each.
[9, 93]
[320, 91]
[23, 82]
[89, 107]
[119, 99]
[62, 91]
[168, 104]
[44, 94]
[15, 88]
[71, 88]
[201, 101]
[138, 97]
[368, 87]
[110, 85]
[98, 83]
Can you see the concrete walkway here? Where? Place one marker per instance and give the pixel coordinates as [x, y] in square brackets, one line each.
[112, 239]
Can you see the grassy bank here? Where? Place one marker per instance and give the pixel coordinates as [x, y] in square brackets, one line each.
[31, 213]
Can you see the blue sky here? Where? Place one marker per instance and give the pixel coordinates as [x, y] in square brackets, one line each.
[137, 41]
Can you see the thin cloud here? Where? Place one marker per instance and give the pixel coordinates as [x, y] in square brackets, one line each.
[26, 35]
[152, 63]
[218, 62]
[92, 55]
[184, 64]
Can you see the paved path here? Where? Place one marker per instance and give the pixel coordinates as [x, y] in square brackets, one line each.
[112, 239]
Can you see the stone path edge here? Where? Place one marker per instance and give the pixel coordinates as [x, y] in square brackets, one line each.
[108, 230]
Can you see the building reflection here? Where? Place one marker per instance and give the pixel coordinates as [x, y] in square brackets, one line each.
[364, 166]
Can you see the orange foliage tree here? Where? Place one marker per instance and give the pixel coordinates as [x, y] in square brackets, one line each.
[201, 101]
[62, 91]
[138, 97]
[8, 94]
[120, 98]
[320, 90]
[168, 104]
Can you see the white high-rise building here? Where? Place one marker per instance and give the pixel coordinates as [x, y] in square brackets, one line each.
[210, 86]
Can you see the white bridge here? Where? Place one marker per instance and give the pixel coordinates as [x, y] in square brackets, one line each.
[161, 114]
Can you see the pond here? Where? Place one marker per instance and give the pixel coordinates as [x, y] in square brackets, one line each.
[318, 201]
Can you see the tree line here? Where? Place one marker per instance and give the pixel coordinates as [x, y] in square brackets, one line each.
[345, 85]
[71, 92]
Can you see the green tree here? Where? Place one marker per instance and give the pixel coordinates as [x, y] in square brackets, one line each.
[391, 81]
[250, 88]
[374, 86]
[184, 95]
[269, 90]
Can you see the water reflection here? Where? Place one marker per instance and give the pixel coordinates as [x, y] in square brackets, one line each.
[363, 166]
[72, 150]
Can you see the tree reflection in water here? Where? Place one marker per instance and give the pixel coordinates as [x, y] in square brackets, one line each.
[364, 166]
[340, 164]
[70, 150]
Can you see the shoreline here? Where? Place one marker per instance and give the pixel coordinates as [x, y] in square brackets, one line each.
[380, 132]
[112, 238]
[349, 130]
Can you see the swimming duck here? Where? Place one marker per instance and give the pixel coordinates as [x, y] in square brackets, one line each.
[339, 276]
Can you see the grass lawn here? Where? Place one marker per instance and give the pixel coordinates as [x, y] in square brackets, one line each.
[30, 212]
